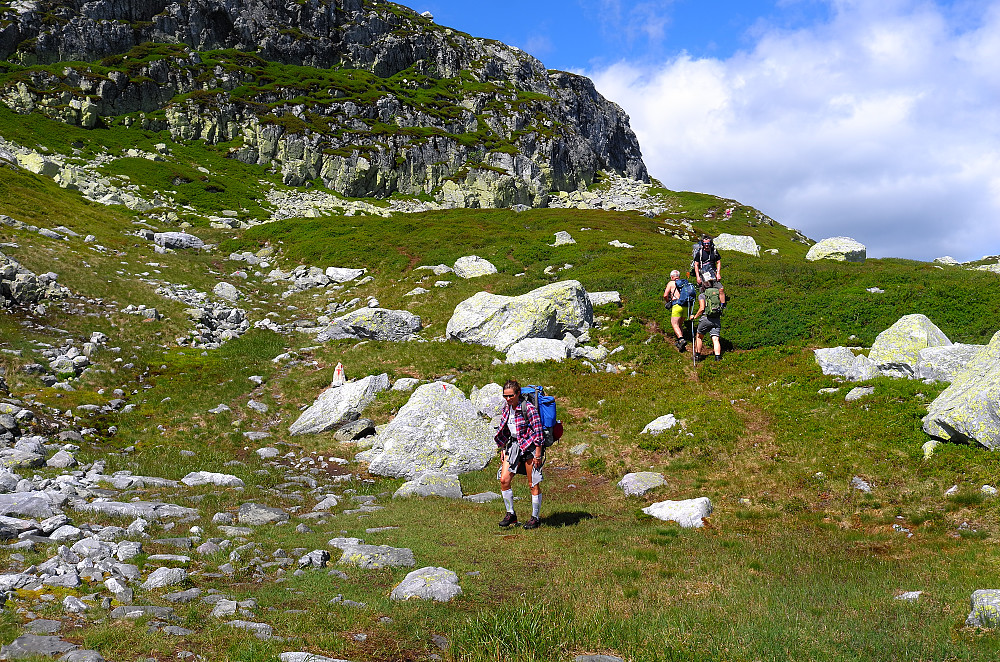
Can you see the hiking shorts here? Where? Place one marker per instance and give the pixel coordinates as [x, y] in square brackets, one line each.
[710, 325]
[677, 311]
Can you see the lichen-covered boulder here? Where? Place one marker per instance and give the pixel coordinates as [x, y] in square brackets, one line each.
[373, 557]
[944, 363]
[896, 351]
[438, 584]
[740, 243]
[473, 266]
[843, 249]
[536, 350]
[687, 513]
[339, 405]
[438, 429]
[373, 324]
[967, 411]
[431, 483]
[985, 609]
[499, 322]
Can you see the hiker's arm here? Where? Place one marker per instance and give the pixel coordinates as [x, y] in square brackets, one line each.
[701, 308]
[718, 269]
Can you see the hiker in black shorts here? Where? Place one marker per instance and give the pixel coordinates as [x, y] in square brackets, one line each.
[708, 263]
[519, 442]
[711, 301]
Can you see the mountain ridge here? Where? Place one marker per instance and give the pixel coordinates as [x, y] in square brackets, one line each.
[388, 102]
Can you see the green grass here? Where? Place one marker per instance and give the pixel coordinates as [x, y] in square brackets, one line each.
[794, 564]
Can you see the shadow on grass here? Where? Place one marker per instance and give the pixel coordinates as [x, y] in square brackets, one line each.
[566, 518]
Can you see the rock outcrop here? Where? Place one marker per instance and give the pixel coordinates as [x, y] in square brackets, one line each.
[966, 411]
[503, 129]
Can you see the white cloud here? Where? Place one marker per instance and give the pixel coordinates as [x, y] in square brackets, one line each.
[882, 124]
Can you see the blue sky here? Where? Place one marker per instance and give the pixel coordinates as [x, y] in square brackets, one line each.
[875, 119]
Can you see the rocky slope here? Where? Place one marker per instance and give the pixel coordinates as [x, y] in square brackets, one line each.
[368, 97]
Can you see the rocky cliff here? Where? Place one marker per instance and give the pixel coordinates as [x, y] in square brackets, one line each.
[369, 97]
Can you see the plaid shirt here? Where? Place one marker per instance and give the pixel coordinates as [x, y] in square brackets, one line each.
[528, 431]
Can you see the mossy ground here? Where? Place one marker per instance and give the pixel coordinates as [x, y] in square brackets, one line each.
[791, 566]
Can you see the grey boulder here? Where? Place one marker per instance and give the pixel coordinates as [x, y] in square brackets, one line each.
[431, 483]
[33, 645]
[339, 405]
[842, 361]
[165, 577]
[373, 324]
[437, 584]
[499, 321]
[896, 351]
[944, 363]
[343, 275]
[966, 411]
[637, 484]
[473, 266]
[536, 350]
[488, 400]
[371, 557]
[177, 240]
[737, 242]
[687, 513]
[604, 298]
[437, 429]
[26, 504]
[255, 514]
[196, 478]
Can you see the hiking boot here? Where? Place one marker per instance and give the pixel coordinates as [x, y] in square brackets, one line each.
[699, 358]
[681, 344]
[508, 520]
[532, 523]
[718, 357]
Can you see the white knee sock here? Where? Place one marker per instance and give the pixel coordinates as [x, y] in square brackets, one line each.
[508, 500]
[536, 504]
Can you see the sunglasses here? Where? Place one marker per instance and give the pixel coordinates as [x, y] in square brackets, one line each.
[509, 395]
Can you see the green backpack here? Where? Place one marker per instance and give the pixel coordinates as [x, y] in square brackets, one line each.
[713, 304]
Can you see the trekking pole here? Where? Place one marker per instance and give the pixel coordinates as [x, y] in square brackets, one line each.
[694, 360]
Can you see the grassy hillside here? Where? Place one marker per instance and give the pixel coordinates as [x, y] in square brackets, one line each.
[794, 564]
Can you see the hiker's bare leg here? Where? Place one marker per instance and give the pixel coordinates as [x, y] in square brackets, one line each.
[676, 323]
[505, 474]
[529, 465]
[698, 343]
[717, 345]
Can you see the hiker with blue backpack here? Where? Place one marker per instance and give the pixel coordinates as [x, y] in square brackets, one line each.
[521, 440]
[678, 297]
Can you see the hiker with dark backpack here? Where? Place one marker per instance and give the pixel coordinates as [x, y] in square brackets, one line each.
[711, 302]
[706, 262]
[678, 297]
[520, 443]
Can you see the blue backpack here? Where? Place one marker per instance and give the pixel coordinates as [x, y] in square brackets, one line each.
[685, 292]
[552, 428]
